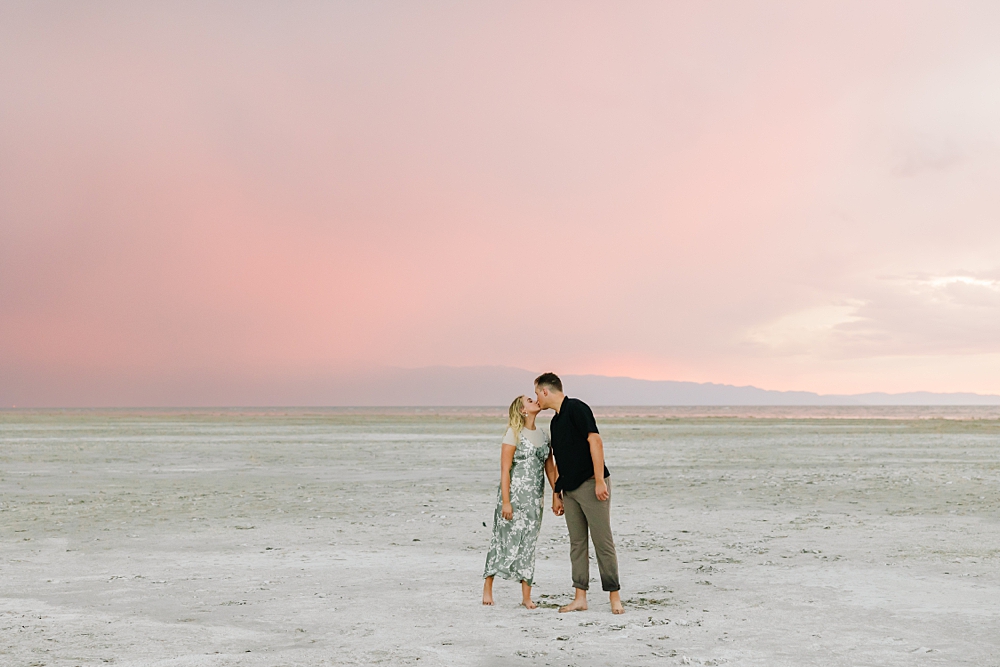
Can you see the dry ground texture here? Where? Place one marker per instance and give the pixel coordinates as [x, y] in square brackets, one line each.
[337, 537]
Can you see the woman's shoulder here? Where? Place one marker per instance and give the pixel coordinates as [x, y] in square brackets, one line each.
[509, 438]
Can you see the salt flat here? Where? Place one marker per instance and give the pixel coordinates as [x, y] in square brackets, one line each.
[330, 537]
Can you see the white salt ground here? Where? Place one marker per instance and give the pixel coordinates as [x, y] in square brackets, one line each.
[343, 537]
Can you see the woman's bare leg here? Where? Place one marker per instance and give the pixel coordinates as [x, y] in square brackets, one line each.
[526, 595]
[488, 591]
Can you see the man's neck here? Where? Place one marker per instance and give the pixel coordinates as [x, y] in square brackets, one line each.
[557, 402]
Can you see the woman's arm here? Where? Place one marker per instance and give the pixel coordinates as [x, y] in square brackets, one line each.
[506, 461]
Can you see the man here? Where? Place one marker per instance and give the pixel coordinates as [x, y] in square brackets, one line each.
[582, 490]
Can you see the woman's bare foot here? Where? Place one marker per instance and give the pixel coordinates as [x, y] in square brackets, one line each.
[579, 602]
[526, 596]
[616, 603]
[488, 591]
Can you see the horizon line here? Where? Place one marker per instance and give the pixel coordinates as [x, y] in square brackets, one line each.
[694, 382]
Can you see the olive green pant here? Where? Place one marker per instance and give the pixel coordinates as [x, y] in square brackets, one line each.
[585, 513]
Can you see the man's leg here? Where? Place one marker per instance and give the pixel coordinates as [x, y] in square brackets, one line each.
[579, 553]
[598, 515]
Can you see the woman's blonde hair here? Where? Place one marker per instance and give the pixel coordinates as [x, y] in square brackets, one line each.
[515, 418]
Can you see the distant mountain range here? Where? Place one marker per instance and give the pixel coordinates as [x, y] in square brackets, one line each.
[494, 385]
[432, 386]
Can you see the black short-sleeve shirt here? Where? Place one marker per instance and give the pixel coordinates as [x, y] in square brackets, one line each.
[570, 428]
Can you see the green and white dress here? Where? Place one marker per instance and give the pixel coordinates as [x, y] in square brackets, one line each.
[512, 550]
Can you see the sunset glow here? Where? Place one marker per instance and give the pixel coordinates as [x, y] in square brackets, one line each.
[790, 195]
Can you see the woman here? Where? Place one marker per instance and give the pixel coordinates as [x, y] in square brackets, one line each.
[525, 460]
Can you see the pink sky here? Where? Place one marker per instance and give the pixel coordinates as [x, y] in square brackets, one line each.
[786, 194]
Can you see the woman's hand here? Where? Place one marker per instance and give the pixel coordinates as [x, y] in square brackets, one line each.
[557, 504]
[507, 512]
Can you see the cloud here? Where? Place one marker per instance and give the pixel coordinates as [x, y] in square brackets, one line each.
[812, 329]
[944, 314]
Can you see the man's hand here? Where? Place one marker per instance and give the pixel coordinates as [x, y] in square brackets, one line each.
[507, 512]
[601, 490]
[557, 504]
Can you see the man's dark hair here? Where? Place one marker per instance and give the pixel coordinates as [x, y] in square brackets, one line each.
[550, 380]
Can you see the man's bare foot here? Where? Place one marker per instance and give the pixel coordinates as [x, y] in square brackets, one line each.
[579, 602]
[528, 604]
[488, 591]
[616, 603]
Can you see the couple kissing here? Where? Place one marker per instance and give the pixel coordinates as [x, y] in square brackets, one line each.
[573, 461]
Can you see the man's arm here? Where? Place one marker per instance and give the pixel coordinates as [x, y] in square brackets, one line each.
[552, 472]
[597, 454]
[584, 418]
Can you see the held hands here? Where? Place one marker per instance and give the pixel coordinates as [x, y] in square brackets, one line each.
[601, 490]
[507, 512]
[557, 504]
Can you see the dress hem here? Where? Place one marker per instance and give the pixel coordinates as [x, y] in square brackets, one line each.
[510, 577]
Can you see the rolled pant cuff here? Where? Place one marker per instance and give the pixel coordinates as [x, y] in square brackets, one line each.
[606, 588]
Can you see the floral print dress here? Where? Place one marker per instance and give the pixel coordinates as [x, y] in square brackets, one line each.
[512, 549]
